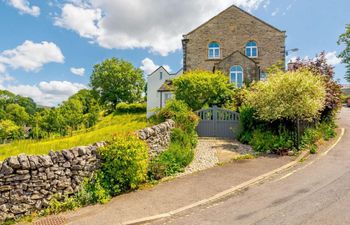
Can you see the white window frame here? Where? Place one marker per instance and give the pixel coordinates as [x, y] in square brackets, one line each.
[251, 50]
[214, 49]
[237, 73]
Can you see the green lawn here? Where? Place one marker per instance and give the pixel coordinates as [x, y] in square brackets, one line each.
[104, 130]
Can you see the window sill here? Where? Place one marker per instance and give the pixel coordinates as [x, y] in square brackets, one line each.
[218, 59]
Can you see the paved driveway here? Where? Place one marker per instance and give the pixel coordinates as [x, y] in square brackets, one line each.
[317, 193]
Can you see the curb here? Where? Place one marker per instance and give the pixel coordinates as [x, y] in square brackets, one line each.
[231, 190]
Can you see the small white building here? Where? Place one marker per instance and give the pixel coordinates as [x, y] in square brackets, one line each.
[159, 88]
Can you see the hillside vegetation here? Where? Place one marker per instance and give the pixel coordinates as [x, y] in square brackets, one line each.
[104, 130]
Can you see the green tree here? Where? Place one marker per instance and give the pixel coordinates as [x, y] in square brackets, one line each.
[17, 114]
[27, 103]
[52, 121]
[10, 131]
[289, 96]
[115, 80]
[90, 106]
[72, 113]
[345, 54]
[200, 89]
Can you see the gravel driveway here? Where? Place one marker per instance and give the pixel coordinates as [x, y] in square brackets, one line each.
[211, 151]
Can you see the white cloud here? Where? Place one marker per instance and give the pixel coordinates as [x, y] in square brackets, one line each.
[77, 71]
[157, 25]
[47, 93]
[2, 68]
[80, 19]
[24, 7]
[332, 58]
[148, 66]
[4, 78]
[266, 4]
[274, 13]
[60, 87]
[31, 56]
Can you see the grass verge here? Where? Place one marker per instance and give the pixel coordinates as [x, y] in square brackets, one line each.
[108, 127]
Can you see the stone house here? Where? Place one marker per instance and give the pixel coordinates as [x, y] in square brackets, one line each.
[235, 42]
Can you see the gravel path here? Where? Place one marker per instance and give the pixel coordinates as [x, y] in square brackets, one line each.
[204, 157]
[210, 152]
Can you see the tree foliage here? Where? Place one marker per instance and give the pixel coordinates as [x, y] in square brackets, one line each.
[322, 68]
[115, 80]
[291, 95]
[17, 114]
[345, 54]
[200, 89]
[9, 131]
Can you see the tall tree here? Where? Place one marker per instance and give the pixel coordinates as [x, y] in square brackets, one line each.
[345, 54]
[72, 112]
[17, 114]
[90, 106]
[115, 80]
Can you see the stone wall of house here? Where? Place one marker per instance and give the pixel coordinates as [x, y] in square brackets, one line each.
[232, 29]
[250, 70]
[27, 183]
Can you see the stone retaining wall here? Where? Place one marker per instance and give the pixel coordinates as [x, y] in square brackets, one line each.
[27, 183]
[157, 137]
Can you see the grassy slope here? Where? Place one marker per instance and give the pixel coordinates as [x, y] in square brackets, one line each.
[104, 130]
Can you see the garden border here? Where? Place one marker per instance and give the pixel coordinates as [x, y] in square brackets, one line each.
[234, 189]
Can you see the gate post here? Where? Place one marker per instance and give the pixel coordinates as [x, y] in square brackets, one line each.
[215, 118]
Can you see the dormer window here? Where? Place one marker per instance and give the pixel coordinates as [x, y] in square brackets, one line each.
[251, 49]
[214, 50]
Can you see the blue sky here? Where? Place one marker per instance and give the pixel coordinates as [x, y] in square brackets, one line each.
[48, 48]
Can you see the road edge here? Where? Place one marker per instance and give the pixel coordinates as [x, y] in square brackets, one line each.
[234, 189]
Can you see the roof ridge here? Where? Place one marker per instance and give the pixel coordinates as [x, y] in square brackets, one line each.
[234, 6]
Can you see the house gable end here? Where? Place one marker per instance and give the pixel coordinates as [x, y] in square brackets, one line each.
[232, 10]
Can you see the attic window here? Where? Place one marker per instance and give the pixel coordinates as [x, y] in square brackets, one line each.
[214, 50]
[161, 76]
[251, 49]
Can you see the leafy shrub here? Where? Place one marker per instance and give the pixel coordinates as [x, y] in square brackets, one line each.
[200, 89]
[171, 161]
[266, 141]
[131, 108]
[323, 130]
[313, 149]
[179, 111]
[184, 139]
[124, 167]
[310, 136]
[59, 204]
[328, 132]
[289, 96]
[320, 67]
[345, 98]
[247, 124]
[179, 154]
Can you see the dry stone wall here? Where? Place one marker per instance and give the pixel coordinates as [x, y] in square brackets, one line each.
[27, 183]
[157, 137]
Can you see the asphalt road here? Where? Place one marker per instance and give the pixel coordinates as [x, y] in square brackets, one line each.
[316, 192]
